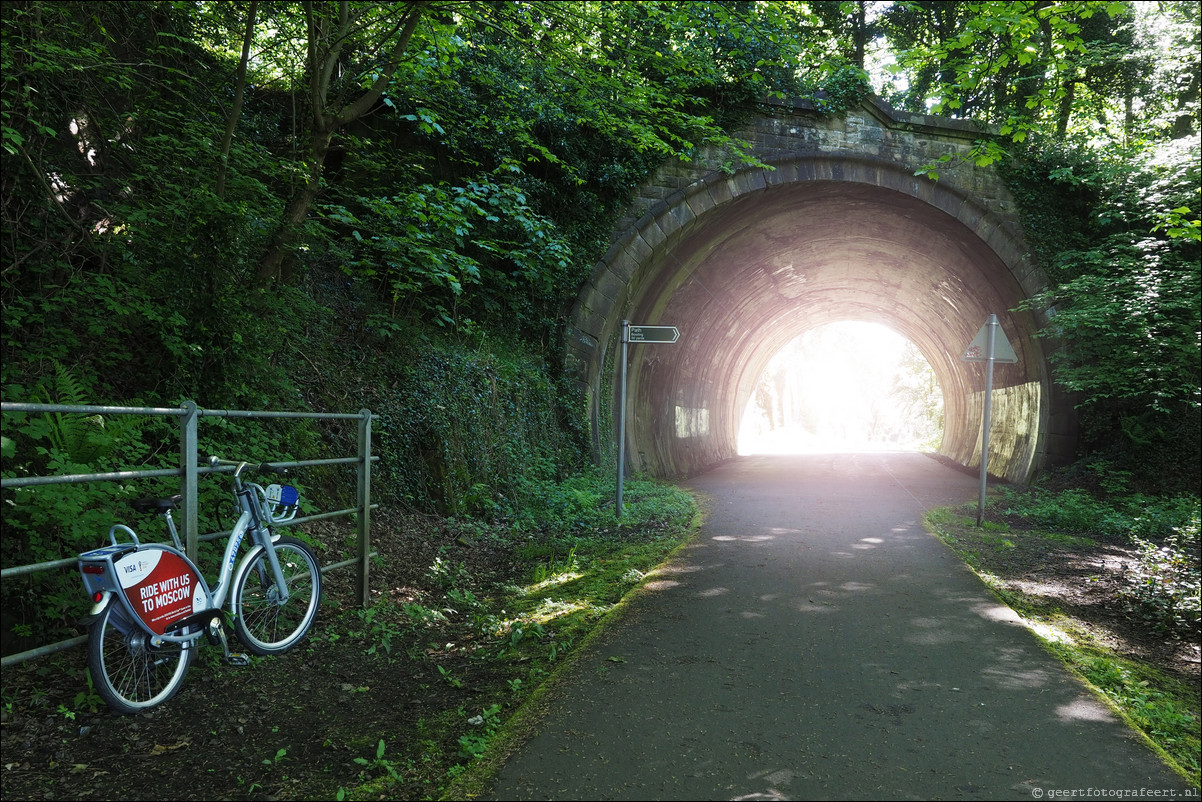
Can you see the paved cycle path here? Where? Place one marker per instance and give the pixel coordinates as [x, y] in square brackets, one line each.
[816, 643]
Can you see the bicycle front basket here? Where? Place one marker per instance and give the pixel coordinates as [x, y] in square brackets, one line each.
[281, 503]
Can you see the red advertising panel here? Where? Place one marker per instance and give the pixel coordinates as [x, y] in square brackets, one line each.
[161, 587]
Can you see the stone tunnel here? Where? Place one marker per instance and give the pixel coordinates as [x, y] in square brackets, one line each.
[835, 226]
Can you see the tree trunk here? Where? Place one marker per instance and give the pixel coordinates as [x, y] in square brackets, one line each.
[1183, 123]
[321, 66]
[1066, 108]
[239, 93]
[861, 31]
[283, 242]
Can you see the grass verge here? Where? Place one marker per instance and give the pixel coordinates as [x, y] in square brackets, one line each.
[510, 639]
[1037, 573]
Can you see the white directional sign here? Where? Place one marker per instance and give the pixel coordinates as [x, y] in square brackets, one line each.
[654, 334]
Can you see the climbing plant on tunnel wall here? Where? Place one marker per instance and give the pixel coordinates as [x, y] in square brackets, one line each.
[1125, 299]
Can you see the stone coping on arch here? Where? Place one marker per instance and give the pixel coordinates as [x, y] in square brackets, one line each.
[987, 215]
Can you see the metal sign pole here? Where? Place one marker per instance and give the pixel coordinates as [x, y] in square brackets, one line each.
[638, 334]
[991, 324]
[622, 413]
[989, 346]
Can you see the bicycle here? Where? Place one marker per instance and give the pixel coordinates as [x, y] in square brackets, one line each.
[152, 604]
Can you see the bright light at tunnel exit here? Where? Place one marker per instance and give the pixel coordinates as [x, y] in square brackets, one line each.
[846, 386]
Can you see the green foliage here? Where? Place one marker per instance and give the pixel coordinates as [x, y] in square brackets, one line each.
[1108, 73]
[1167, 581]
[1126, 297]
[512, 168]
[843, 89]
[449, 678]
[555, 566]
[1013, 64]
[485, 725]
[1149, 699]
[50, 522]
[466, 430]
[1121, 517]
[379, 762]
[433, 246]
[1164, 582]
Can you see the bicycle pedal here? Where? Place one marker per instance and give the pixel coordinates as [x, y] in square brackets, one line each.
[238, 659]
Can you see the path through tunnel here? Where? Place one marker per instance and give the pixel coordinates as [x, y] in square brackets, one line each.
[748, 268]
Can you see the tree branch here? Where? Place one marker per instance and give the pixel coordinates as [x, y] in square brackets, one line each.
[239, 94]
[368, 99]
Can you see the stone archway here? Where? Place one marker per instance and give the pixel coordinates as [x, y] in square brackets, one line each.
[838, 228]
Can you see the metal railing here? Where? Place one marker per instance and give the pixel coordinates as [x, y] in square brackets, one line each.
[190, 470]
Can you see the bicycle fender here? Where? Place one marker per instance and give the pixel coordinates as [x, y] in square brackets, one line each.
[100, 606]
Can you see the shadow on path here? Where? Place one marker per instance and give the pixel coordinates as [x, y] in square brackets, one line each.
[816, 643]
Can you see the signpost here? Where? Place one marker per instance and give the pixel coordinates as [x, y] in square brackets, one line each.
[989, 346]
[634, 334]
[652, 334]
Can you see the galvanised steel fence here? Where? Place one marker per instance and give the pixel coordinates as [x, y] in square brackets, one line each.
[190, 470]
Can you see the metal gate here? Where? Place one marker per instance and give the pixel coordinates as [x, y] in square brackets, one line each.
[189, 471]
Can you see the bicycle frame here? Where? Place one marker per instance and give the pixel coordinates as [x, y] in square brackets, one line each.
[161, 590]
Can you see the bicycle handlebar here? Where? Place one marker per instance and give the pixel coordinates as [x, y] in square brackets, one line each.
[215, 461]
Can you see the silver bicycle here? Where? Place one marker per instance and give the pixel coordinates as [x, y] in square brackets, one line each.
[152, 604]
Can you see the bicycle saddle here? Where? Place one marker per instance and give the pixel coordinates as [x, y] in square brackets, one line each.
[159, 505]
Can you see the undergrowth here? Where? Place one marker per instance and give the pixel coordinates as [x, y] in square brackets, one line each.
[573, 562]
[1165, 581]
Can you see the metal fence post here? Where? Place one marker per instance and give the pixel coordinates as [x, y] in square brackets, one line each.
[364, 496]
[188, 464]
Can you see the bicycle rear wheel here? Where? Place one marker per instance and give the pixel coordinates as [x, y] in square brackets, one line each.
[265, 624]
[129, 671]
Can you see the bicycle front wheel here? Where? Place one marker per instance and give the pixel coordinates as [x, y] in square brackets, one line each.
[130, 671]
[265, 623]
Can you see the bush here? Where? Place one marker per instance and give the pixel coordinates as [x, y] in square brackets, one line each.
[1166, 581]
[470, 429]
[1127, 518]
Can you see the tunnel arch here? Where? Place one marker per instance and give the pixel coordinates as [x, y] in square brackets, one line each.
[742, 263]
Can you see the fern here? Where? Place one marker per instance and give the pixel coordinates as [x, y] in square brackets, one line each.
[79, 439]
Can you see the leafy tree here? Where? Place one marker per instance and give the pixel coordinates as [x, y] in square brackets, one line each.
[523, 131]
[1126, 299]
[848, 23]
[1018, 65]
[1097, 102]
[222, 200]
[352, 53]
[1171, 38]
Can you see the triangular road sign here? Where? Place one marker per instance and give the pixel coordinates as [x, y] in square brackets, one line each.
[978, 349]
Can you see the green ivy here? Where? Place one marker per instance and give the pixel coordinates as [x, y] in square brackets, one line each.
[466, 429]
[1125, 297]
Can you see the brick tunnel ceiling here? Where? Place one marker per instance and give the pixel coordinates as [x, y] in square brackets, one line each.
[748, 277]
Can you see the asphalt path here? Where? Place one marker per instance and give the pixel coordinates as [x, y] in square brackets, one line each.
[816, 643]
